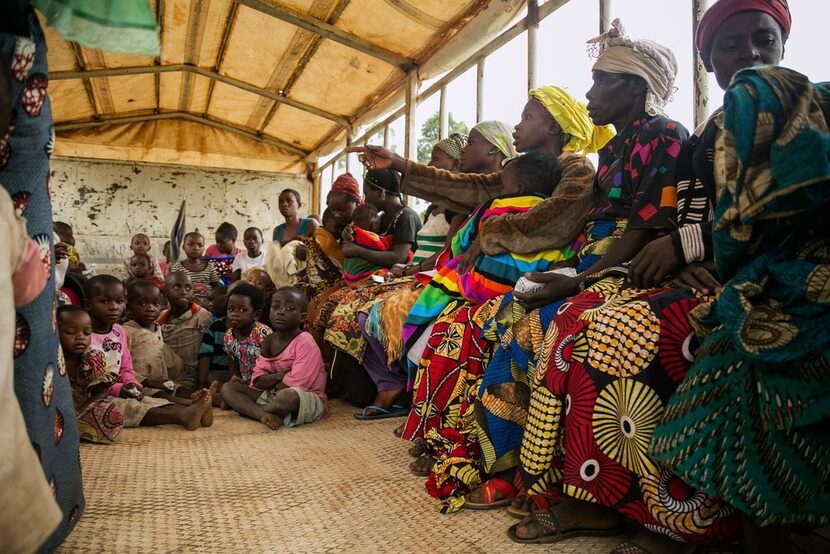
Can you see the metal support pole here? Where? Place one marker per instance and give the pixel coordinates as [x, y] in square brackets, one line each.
[348, 156]
[532, 29]
[315, 189]
[443, 116]
[480, 91]
[387, 137]
[604, 15]
[701, 84]
[410, 135]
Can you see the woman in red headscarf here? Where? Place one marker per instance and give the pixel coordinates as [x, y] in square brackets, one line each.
[313, 263]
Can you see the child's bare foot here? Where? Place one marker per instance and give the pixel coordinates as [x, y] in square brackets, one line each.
[207, 417]
[273, 421]
[217, 396]
[191, 416]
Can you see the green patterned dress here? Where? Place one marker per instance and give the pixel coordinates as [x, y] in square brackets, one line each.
[749, 423]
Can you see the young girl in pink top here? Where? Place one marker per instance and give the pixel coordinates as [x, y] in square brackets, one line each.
[288, 383]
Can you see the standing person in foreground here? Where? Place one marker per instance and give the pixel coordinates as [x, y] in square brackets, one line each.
[289, 382]
[24, 493]
[24, 173]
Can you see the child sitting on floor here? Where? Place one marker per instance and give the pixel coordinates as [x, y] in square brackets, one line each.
[225, 247]
[140, 244]
[155, 364]
[222, 254]
[260, 279]
[288, 383]
[365, 225]
[253, 257]
[105, 302]
[141, 268]
[183, 324]
[213, 362]
[90, 378]
[245, 335]
[203, 275]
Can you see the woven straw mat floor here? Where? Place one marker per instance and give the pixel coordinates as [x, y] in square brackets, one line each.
[339, 485]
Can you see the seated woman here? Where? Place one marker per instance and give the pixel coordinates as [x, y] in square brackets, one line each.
[489, 145]
[315, 263]
[440, 225]
[613, 393]
[365, 227]
[399, 222]
[295, 227]
[319, 258]
[755, 436]
[526, 181]
[551, 122]
[554, 123]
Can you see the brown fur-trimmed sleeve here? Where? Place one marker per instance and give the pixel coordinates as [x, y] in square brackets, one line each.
[457, 192]
[554, 223]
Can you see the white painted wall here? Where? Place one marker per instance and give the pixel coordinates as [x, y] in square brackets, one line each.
[108, 202]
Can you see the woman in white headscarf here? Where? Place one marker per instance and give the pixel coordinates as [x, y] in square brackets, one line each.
[588, 418]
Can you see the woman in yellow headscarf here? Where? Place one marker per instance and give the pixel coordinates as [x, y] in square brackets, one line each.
[554, 122]
[551, 121]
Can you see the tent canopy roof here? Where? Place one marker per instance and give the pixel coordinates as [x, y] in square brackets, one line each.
[255, 84]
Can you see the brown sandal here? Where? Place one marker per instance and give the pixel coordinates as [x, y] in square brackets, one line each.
[548, 524]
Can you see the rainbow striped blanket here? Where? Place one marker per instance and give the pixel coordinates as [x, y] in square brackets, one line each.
[491, 276]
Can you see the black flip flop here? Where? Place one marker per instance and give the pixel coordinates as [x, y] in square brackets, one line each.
[383, 413]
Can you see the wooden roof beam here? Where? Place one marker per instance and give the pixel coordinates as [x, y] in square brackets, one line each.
[141, 70]
[185, 116]
[328, 31]
[90, 95]
[223, 45]
[301, 65]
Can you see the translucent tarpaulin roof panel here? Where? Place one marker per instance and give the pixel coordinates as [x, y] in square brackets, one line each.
[252, 84]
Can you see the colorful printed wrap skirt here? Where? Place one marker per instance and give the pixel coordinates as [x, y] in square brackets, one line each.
[342, 308]
[100, 421]
[610, 360]
[446, 387]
